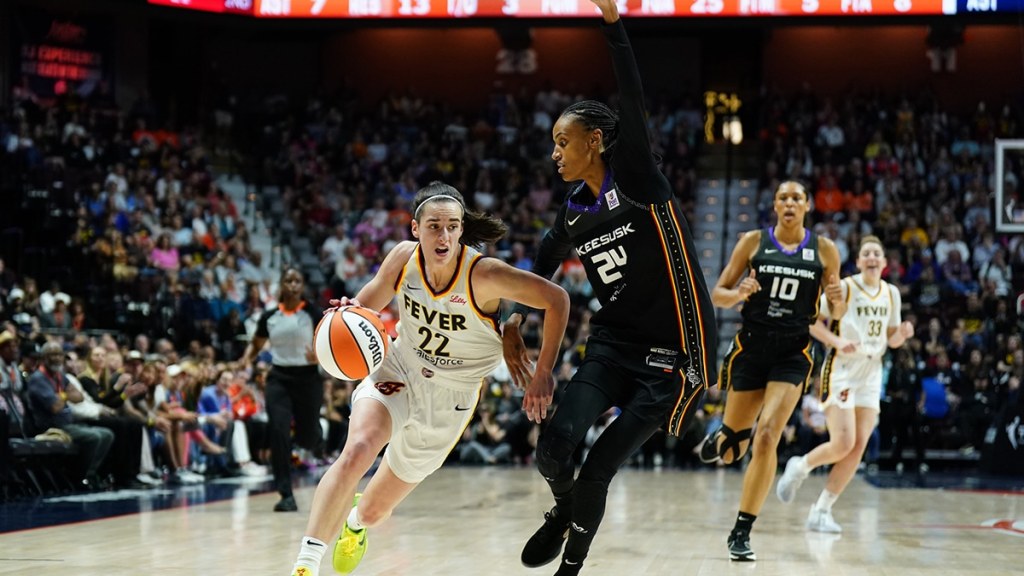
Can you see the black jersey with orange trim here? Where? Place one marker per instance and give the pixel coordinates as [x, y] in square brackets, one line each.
[790, 286]
[634, 242]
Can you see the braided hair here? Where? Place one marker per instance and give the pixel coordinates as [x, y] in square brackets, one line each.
[477, 228]
[596, 115]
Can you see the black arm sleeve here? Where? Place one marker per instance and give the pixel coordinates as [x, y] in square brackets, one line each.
[555, 247]
[633, 162]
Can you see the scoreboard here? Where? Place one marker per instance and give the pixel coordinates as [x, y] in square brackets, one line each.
[584, 8]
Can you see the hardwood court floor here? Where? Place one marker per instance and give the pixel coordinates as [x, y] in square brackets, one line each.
[473, 521]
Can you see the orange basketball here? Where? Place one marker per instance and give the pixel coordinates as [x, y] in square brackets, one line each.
[351, 342]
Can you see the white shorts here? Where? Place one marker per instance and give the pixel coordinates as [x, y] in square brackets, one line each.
[427, 417]
[852, 382]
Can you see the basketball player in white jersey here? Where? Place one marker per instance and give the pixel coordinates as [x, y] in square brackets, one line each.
[425, 394]
[851, 380]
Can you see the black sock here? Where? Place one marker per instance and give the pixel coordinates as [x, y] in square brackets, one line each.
[563, 502]
[744, 522]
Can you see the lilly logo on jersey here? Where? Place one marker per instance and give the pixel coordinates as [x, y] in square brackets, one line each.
[456, 299]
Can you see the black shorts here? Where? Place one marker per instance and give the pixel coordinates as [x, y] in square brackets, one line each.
[649, 382]
[756, 358]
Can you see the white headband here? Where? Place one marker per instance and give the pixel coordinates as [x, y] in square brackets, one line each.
[437, 197]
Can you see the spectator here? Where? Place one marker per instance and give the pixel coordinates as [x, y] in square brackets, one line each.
[50, 395]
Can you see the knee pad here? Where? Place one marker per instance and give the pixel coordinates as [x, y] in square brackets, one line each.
[554, 455]
[731, 440]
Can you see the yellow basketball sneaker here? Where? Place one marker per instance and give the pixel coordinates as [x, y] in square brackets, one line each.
[351, 546]
[303, 571]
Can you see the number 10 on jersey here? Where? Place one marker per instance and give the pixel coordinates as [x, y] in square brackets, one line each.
[785, 288]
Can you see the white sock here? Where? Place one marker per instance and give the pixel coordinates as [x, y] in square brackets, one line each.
[353, 520]
[311, 552]
[826, 500]
[801, 466]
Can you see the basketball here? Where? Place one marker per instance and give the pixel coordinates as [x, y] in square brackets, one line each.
[351, 342]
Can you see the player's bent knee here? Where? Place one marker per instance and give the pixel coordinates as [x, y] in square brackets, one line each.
[766, 439]
[554, 454]
[358, 455]
[858, 448]
[843, 445]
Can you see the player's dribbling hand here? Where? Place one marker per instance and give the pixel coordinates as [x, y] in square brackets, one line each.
[310, 355]
[335, 303]
[834, 290]
[748, 286]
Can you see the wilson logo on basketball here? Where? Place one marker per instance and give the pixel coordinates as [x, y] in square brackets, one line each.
[456, 299]
[350, 342]
[374, 346]
[389, 388]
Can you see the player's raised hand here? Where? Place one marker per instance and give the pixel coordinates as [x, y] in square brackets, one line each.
[609, 10]
[748, 286]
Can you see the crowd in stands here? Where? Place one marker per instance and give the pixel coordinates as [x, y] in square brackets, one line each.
[142, 246]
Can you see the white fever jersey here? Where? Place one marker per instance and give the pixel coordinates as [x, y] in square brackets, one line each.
[442, 334]
[869, 315]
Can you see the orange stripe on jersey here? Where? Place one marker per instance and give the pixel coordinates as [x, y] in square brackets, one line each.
[826, 375]
[693, 282]
[451, 283]
[683, 283]
[826, 370]
[676, 416]
[472, 300]
[810, 365]
[727, 363]
[675, 291]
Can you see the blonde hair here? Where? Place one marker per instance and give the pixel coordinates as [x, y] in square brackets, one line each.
[870, 239]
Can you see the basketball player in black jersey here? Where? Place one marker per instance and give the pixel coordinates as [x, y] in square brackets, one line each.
[783, 270]
[652, 346]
